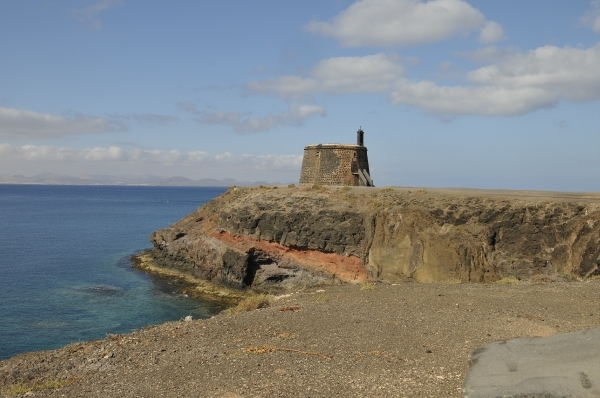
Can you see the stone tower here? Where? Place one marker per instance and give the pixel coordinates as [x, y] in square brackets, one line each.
[337, 164]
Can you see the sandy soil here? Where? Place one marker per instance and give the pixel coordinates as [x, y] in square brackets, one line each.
[395, 340]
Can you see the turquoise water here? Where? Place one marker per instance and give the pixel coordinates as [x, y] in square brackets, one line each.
[65, 274]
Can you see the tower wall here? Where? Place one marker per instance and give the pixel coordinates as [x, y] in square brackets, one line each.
[333, 164]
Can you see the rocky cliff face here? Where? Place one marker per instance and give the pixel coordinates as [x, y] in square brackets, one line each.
[277, 237]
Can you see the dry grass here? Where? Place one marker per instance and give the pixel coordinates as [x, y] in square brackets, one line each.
[368, 285]
[541, 278]
[251, 303]
[508, 280]
[320, 297]
[23, 388]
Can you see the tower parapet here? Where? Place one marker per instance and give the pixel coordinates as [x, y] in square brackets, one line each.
[336, 164]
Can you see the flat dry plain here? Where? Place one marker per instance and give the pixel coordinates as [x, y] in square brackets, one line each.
[389, 340]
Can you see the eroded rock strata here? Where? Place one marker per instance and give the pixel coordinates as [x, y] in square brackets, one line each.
[285, 237]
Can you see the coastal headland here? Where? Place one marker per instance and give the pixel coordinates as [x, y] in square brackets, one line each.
[347, 316]
[270, 238]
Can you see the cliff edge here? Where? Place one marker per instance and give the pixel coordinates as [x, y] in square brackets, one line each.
[277, 237]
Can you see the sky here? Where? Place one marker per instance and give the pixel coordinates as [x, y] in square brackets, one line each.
[501, 94]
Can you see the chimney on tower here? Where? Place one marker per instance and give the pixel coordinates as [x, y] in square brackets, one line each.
[360, 137]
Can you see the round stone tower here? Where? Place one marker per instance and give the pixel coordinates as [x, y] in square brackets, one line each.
[337, 164]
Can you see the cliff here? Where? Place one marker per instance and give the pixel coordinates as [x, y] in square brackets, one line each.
[284, 237]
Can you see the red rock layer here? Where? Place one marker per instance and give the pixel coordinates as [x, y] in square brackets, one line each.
[344, 268]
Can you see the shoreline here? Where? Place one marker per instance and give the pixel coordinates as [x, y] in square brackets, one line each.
[400, 339]
[187, 284]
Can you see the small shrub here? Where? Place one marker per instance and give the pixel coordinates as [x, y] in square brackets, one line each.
[292, 186]
[317, 187]
[345, 189]
[251, 303]
[568, 277]
[319, 298]
[508, 280]
[368, 285]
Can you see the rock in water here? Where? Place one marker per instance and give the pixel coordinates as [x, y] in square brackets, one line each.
[563, 365]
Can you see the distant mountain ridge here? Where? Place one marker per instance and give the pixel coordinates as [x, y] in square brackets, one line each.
[61, 179]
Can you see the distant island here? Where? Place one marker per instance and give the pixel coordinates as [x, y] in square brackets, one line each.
[151, 180]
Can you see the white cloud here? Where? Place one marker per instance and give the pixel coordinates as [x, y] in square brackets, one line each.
[28, 124]
[339, 75]
[517, 83]
[147, 118]
[189, 107]
[295, 115]
[119, 161]
[489, 54]
[90, 12]
[400, 22]
[489, 101]
[491, 33]
[592, 16]
[570, 72]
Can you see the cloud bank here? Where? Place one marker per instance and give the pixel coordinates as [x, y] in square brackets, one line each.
[339, 75]
[295, 115]
[147, 118]
[119, 161]
[517, 83]
[386, 23]
[19, 123]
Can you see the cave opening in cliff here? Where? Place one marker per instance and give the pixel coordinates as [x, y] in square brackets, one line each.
[257, 259]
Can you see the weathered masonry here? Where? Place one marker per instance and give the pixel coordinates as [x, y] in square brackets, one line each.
[337, 164]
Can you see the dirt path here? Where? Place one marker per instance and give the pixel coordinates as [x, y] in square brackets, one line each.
[401, 340]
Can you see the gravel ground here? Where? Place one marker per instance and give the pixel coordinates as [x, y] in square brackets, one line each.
[400, 340]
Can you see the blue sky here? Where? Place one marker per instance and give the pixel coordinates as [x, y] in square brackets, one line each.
[450, 93]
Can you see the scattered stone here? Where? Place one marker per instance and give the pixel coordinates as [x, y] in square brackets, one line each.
[289, 308]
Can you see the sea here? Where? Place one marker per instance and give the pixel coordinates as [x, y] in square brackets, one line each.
[65, 273]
